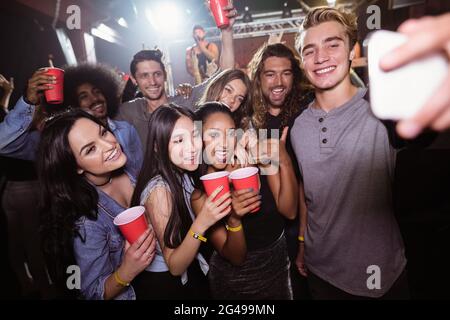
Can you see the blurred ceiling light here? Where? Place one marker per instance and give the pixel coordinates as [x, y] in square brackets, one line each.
[122, 22]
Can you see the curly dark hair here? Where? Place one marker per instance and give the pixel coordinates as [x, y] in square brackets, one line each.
[100, 76]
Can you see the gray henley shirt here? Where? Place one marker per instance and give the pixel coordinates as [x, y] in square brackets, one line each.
[347, 165]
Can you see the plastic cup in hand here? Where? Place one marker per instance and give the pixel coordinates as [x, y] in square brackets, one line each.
[132, 223]
[214, 180]
[55, 95]
[246, 178]
[219, 14]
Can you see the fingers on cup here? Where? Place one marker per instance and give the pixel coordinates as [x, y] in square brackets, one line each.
[223, 198]
[215, 193]
[141, 240]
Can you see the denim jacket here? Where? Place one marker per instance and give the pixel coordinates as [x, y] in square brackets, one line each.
[17, 141]
[99, 249]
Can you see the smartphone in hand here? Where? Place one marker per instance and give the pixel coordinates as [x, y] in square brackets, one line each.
[400, 93]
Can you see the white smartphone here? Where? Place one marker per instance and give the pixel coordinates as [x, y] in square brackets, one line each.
[400, 93]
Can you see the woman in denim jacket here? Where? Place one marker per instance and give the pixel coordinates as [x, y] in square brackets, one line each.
[86, 181]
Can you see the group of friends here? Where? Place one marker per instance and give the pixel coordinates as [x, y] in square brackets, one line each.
[334, 170]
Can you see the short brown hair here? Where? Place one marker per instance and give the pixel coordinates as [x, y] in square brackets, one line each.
[144, 55]
[324, 14]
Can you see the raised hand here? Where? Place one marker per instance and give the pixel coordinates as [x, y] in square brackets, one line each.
[184, 90]
[8, 86]
[231, 13]
[38, 83]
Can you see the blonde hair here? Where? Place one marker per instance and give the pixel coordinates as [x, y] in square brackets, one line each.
[325, 14]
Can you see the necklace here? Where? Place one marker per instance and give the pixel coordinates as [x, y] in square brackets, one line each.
[104, 184]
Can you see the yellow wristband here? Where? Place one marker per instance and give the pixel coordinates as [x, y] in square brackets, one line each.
[234, 229]
[120, 281]
[197, 236]
[301, 239]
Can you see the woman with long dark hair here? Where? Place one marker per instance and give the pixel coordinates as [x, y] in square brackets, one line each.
[164, 188]
[263, 272]
[86, 181]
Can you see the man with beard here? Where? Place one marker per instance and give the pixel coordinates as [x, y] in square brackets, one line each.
[201, 58]
[149, 74]
[278, 99]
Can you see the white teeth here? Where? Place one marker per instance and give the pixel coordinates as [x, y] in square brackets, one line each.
[221, 153]
[277, 90]
[325, 70]
[112, 155]
[97, 106]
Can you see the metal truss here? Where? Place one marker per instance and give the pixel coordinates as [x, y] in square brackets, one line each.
[263, 24]
[259, 28]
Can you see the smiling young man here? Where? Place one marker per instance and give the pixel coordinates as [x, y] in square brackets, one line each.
[352, 245]
[148, 72]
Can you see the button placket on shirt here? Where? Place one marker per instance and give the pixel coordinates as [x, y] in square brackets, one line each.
[324, 133]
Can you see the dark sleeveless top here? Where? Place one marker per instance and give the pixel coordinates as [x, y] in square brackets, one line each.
[202, 59]
[264, 227]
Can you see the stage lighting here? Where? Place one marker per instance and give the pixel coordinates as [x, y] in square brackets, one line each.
[121, 21]
[247, 16]
[106, 33]
[165, 18]
[286, 11]
[331, 3]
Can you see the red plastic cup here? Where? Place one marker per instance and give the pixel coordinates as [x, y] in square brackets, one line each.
[132, 223]
[246, 178]
[213, 180]
[55, 95]
[221, 19]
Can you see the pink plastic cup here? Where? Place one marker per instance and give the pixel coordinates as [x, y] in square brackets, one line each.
[221, 19]
[246, 178]
[132, 223]
[55, 95]
[213, 180]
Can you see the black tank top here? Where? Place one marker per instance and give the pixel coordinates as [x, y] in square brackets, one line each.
[202, 59]
[265, 226]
